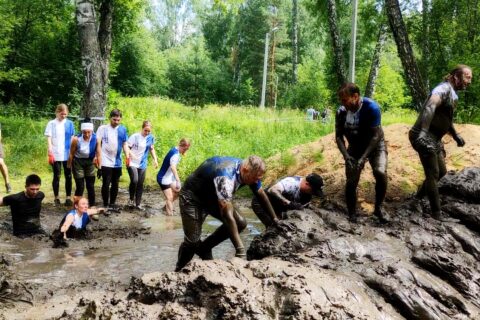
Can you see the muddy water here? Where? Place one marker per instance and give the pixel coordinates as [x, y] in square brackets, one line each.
[36, 262]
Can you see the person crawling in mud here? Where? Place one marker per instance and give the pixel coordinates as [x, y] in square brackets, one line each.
[434, 121]
[74, 223]
[25, 207]
[359, 121]
[209, 190]
[290, 193]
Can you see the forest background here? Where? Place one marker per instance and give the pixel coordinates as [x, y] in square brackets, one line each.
[194, 56]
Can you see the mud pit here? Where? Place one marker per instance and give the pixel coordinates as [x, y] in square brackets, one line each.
[323, 268]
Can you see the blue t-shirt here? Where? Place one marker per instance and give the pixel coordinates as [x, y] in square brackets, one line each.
[357, 126]
[79, 224]
[165, 175]
[218, 178]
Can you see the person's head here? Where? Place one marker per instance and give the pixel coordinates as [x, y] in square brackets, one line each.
[460, 77]
[312, 184]
[80, 204]
[349, 96]
[252, 169]
[146, 128]
[183, 145]
[61, 111]
[115, 117]
[32, 185]
[87, 128]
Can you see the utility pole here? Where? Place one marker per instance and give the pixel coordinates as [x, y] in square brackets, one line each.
[265, 65]
[353, 42]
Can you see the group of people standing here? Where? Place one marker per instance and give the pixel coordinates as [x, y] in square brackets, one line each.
[209, 189]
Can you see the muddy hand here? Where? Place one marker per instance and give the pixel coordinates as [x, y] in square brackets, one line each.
[459, 140]
[285, 226]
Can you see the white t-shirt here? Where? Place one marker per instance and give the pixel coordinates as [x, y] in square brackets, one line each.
[139, 148]
[112, 140]
[60, 142]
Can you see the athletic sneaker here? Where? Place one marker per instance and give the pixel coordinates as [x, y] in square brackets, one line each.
[140, 207]
[131, 204]
[68, 203]
[56, 202]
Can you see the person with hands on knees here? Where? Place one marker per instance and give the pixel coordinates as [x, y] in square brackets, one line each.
[140, 144]
[434, 121]
[359, 121]
[59, 133]
[168, 177]
[83, 159]
[290, 193]
[111, 140]
[209, 190]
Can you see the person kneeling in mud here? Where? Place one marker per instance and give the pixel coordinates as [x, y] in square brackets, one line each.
[209, 190]
[290, 193]
[74, 223]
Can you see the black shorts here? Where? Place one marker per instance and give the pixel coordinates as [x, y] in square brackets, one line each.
[165, 186]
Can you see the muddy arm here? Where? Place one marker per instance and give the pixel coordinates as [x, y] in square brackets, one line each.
[429, 111]
[339, 137]
[276, 191]
[377, 136]
[226, 211]
[68, 222]
[154, 156]
[73, 149]
[262, 196]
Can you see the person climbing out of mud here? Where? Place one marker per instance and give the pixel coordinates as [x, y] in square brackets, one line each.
[290, 193]
[112, 139]
[83, 158]
[209, 190]
[74, 223]
[141, 144]
[433, 122]
[168, 177]
[25, 208]
[359, 121]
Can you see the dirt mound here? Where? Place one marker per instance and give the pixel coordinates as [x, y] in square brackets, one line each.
[405, 172]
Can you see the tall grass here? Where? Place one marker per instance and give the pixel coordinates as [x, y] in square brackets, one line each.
[213, 130]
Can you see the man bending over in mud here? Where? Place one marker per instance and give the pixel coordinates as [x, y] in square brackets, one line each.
[209, 190]
[359, 121]
[290, 193]
[434, 121]
[25, 207]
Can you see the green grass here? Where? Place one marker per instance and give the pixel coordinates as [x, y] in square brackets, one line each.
[213, 130]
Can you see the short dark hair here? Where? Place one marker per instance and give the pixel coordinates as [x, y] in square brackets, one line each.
[115, 113]
[348, 89]
[33, 179]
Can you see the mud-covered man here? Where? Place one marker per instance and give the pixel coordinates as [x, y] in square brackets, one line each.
[290, 193]
[25, 208]
[434, 121]
[209, 190]
[359, 121]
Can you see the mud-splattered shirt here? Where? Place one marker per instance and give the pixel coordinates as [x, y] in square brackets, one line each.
[443, 117]
[289, 189]
[357, 126]
[218, 178]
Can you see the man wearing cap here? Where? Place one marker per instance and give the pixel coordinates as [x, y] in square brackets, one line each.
[359, 121]
[290, 193]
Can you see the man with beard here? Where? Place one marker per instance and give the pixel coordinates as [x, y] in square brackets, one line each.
[434, 121]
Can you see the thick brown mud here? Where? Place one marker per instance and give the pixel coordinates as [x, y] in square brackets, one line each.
[318, 266]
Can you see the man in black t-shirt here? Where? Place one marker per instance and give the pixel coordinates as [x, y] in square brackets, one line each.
[25, 207]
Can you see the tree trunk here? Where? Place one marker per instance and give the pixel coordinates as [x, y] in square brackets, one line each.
[372, 76]
[105, 37]
[411, 71]
[295, 41]
[337, 45]
[92, 61]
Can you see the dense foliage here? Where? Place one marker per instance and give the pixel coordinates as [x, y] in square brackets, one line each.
[202, 52]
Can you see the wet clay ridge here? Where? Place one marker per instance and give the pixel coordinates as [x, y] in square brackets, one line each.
[324, 267]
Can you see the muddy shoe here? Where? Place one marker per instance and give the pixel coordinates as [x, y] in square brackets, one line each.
[56, 202]
[130, 204]
[353, 218]
[140, 208]
[382, 216]
[68, 203]
[240, 253]
[443, 218]
[113, 208]
[205, 254]
[8, 187]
